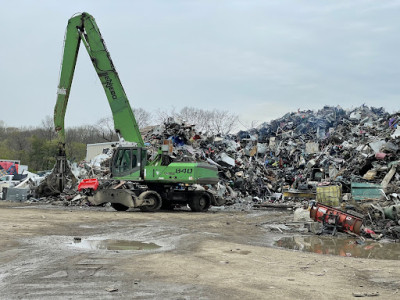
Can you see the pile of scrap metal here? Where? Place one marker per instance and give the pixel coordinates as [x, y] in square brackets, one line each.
[346, 159]
[294, 155]
[331, 155]
[19, 187]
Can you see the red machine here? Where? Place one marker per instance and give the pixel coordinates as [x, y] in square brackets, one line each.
[335, 218]
[91, 183]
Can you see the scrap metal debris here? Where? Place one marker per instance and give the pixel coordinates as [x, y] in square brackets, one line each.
[343, 158]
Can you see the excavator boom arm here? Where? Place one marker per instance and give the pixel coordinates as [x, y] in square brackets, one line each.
[83, 28]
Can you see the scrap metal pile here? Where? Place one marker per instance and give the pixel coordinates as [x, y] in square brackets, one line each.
[338, 157]
[346, 158]
[297, 152]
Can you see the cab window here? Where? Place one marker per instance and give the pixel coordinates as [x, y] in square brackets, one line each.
[123, 161]
[126, 161]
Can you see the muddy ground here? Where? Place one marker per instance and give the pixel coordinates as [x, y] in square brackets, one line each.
[221, 254]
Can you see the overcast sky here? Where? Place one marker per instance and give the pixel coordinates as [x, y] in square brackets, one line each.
[258, 59]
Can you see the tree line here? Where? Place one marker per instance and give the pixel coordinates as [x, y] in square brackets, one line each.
[37, 147]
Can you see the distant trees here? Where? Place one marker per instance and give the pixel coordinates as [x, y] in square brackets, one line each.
[207, 121]
[38, 147]
[42, 155]
[105, 126]
[105, 129]
[143, 117]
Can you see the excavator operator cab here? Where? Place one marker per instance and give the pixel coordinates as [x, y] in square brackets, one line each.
[129, 161]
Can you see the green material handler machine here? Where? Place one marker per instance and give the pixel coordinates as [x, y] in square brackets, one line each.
[135, 181]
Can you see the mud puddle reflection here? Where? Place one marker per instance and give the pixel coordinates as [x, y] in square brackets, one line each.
[113, 245]
[341, 247]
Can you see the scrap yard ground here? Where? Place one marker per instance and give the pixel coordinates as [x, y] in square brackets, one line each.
[220, 254]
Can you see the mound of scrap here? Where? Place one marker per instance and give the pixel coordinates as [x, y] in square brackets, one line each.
[343, 158]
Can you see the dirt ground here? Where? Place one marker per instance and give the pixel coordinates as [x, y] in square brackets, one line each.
[221, 254]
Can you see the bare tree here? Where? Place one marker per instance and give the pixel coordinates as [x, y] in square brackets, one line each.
[143, 117]
[250, 125]
[210, 121]
[105, 126]
[196, 116]
[222, 122]
[48, 128]
[89, 134]
[106, 130]
[162, 116]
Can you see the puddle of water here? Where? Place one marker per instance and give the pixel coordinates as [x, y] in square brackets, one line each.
[341, 247]
[114, 245]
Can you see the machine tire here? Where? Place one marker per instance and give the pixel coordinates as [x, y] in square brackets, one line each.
[200, 202]
[150, 195]
[119, 207]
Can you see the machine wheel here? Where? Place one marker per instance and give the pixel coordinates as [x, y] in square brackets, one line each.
[150, 196]
[119, 207]
[200, 202]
